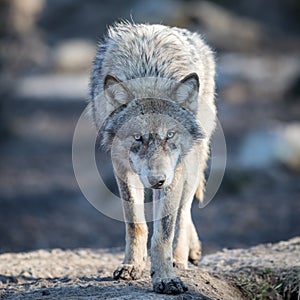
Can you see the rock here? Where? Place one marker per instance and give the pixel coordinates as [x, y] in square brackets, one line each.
[289, 146]
[24, 14]
[256, 77]
[74, 55]
[230, 31]
[224, 28]
[268, 147]
[271, 270]
[47, 87]
[219, 25]
[22, 47]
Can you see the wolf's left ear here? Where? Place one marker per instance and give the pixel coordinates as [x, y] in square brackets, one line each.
[116, 91]
[186, 92]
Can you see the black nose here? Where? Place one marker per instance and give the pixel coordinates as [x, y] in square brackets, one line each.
[156, 181]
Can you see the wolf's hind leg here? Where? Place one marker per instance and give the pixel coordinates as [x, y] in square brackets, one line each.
[195, 249]
[182, 240]
[187, 246]
[136, 232]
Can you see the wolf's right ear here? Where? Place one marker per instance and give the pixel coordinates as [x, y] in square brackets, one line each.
[116, 91]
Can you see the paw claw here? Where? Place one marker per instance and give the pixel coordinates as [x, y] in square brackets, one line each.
[179, 266]
[127, 272]
[172, 286]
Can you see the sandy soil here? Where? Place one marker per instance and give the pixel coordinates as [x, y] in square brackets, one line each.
[86, 274]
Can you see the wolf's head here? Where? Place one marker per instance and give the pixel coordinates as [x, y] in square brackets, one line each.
[150, 136]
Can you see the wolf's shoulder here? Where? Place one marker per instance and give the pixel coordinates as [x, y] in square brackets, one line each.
[139, 50]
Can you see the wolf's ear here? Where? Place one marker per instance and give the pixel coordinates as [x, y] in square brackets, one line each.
[116, 91]
[186, 92]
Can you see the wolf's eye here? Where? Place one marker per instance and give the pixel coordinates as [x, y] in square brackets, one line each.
[170, 134]
[138, 138]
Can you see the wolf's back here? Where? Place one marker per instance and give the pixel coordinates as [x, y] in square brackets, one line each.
[131, 51]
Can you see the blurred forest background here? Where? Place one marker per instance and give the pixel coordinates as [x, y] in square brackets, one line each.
[46, 50]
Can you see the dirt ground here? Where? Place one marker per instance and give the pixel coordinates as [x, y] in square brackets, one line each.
[262, 272]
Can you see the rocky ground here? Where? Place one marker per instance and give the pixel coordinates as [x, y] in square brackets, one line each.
[270, 271]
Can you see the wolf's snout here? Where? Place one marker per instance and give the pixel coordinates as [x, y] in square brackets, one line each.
[157, 181]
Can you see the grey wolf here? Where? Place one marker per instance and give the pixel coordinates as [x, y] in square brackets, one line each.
[152, 93]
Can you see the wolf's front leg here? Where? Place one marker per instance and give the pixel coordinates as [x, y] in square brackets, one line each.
[166, 204]
[132, 194]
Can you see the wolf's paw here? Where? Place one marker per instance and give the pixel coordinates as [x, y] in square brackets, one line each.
[195, 257]
[128, 272]
[178, 265]
[172, 286]
[195, 254]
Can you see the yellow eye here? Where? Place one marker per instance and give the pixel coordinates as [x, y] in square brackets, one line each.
[170, 134]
